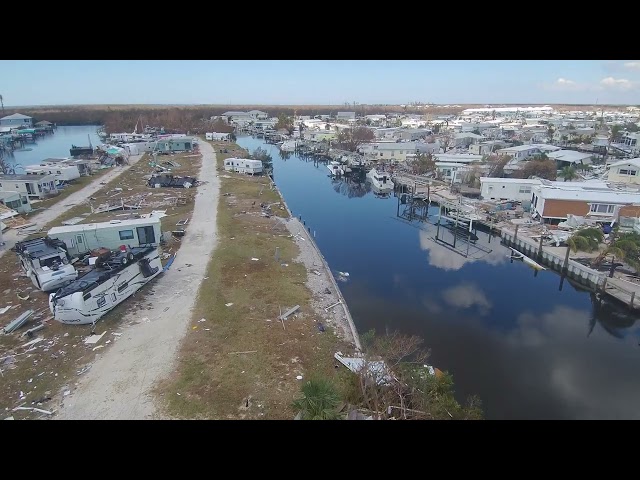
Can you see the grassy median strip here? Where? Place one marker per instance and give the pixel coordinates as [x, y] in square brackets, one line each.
[238, 359]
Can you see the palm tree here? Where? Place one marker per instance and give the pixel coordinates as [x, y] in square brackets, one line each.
[586, 240]
[2, 103]
[569, 173]
[319, 401]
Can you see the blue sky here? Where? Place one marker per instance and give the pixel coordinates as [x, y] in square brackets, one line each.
[60, 82]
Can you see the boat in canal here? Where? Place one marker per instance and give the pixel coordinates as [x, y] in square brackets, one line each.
[380, 180]
[335, 168]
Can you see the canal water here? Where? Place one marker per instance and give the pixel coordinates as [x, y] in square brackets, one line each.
[530, 345]
[56, 145]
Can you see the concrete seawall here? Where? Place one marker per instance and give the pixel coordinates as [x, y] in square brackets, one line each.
[309, 238]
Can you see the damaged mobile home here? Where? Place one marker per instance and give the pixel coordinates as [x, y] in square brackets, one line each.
[243, 165]
[82, 238]
[113, 279]
[46, 262]
[158, 181]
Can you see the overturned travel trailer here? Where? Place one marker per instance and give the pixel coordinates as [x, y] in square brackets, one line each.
[158, 181]
[81, 238]
[113, 279]
[46, 262]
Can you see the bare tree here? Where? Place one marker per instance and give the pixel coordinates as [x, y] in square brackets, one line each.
[422, 164]
[497, 164]
[7, 166]
[351, 138]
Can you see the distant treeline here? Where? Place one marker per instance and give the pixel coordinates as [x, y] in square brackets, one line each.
[196, 118]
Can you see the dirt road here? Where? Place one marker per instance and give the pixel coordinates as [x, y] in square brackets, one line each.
[54, 211]
[119, 384]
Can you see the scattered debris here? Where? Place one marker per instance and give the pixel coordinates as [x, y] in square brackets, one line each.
[316, 272]
[202, 320]
[289, 312]
[47, 412]
[29, 333]
[21, 297]
[83, 370]
[299, 377]
[343, 274]
[93, 339]
[18, 322]
[228, 304]
[96, 348]
[5, 309]
[255, 259]
[238, 353]
[9, 418]
[73, 221]
[333, 305]
[320, 327]
[32, 342]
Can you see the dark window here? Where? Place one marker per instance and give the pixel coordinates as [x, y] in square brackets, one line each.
[126, 234]
[102, 302]
[122, 287]
[86, 296]
[146, 235]
[114, 298]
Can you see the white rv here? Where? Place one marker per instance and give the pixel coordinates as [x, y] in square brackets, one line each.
[82, 238]
[243, 165]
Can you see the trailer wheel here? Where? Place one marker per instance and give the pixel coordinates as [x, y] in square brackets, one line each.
[130, 256]
[124, 261]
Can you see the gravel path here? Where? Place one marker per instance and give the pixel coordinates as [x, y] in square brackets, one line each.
[11, 236]
[119, 383]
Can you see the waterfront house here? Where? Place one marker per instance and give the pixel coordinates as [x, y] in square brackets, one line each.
[517, 189]
[625, 171]
[388, 151]
[34, 186]
[17, 120]
[238, 118]
[83, 166]
[182, 144]
[16, 201]
[320, 135]
[553, 201]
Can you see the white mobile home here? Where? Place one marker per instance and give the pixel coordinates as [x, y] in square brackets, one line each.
[81, 238]
[218, 137]
[243, 165]
[35, 186]
[61, 172]
[518, 189]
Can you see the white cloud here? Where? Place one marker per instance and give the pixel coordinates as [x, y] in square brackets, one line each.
[632, 65]
[618, 83]
[466, 296]
[564, 81]
[446, 259]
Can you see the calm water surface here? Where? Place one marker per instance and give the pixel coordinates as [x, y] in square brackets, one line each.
[529, 346]
[56, 145]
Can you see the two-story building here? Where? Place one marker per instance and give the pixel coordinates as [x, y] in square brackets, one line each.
[34, 186]
[17, 120]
